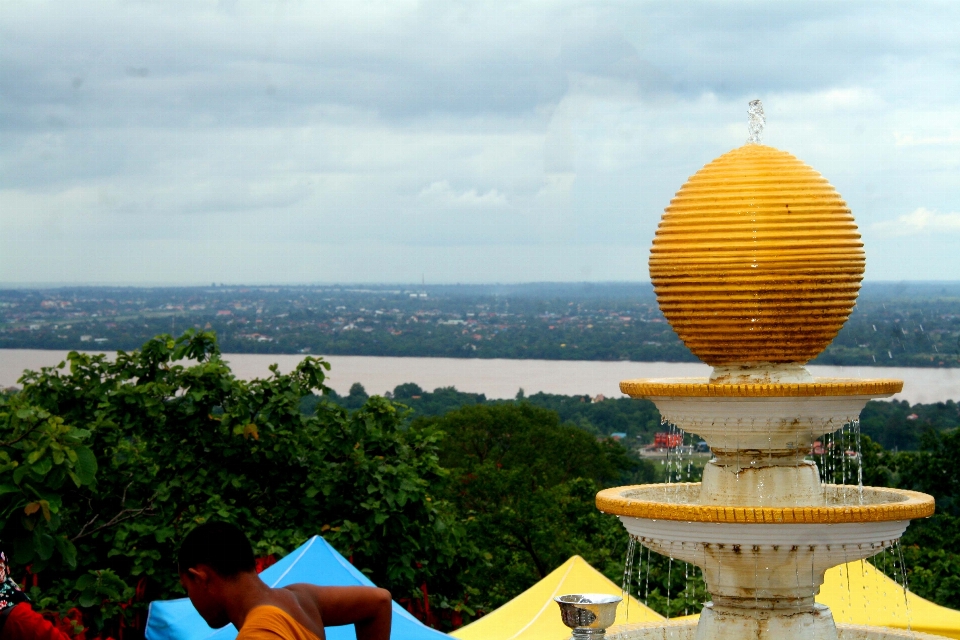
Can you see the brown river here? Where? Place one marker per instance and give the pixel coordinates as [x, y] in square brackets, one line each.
[503, 378]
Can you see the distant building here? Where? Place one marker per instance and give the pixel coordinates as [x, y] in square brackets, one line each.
[663, 440]
[618, 435]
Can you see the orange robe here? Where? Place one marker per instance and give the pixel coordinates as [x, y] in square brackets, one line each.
[267, 622]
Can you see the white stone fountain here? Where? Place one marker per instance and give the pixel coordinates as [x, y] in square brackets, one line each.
[757, 263]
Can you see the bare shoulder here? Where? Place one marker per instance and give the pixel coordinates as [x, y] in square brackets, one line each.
[341, 605]
[308, 596]
[301, 608]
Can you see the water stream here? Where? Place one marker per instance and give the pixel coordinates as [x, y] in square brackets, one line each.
[625, 587]
[839, 457]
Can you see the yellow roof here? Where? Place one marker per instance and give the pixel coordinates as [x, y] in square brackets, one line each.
[533, 615]
[857, 593]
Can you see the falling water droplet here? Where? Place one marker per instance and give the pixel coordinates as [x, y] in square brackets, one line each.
[755, 123]
[863, 584]
[856, 427]
[843, 453]
[842, 604]
[669, 578]
[903, 583]
[846, 565]
[628, 573]
[646, 588]
[795, 550]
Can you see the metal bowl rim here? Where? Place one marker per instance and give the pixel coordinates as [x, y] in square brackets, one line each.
[593, 598]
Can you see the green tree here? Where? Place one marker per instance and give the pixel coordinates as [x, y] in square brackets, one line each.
[525, 485]
[931, 546]
[179, 440]
[40, 456]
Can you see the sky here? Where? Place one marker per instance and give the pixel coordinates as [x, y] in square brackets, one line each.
[146, 143]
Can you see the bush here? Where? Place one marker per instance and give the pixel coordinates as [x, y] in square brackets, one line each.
[106, 465]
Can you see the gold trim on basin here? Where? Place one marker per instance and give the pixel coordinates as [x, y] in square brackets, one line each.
[701, 388]
[913, 505]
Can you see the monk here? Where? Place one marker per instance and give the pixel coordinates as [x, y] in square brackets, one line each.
[217, 568]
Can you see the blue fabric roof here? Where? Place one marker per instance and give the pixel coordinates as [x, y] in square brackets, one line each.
[314, 562]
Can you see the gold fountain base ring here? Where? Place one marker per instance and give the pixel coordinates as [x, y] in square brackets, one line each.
[653, 502]
[702, 388]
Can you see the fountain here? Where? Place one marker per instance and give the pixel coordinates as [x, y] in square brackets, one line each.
[756, 264]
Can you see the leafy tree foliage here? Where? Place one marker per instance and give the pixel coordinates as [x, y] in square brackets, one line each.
[931, 547]
[106, 464]
[525, 485]
[39, 456]
[899, 425]
[178, 440]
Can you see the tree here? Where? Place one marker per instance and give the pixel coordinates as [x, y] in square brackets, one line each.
[407, 390]
[525, 485]
[40, 455]
[179, 440]
[931, 546]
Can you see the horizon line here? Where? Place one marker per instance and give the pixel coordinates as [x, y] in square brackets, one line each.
[410, 285]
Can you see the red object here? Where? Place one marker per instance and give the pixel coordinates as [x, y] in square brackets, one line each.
[264, 562]
[30, 579]
[665, 440]
[23, 623]
[428, 616]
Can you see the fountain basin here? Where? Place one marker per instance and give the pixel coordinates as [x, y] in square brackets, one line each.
[784, 417]
[681, 501]
[775, 567]
[773, 557]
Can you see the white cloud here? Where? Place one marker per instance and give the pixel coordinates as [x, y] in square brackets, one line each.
[912, 140]
[920, 220]
[441, 193]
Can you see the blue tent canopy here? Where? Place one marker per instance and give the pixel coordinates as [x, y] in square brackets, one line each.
[314, 562]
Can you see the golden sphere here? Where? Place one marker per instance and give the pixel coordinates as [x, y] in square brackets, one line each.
[757, 259]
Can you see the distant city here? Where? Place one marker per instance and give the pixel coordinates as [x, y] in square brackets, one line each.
[902, 324]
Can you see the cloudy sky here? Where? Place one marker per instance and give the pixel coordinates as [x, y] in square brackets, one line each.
[305, 142]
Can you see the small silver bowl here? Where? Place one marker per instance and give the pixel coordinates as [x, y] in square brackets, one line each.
[588, 614]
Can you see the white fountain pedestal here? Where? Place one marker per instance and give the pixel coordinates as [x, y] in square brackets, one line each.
[718, 622]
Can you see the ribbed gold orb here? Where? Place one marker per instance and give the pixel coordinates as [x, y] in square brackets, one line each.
[757, 259]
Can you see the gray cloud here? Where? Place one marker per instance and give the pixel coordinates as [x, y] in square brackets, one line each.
[378, 141]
